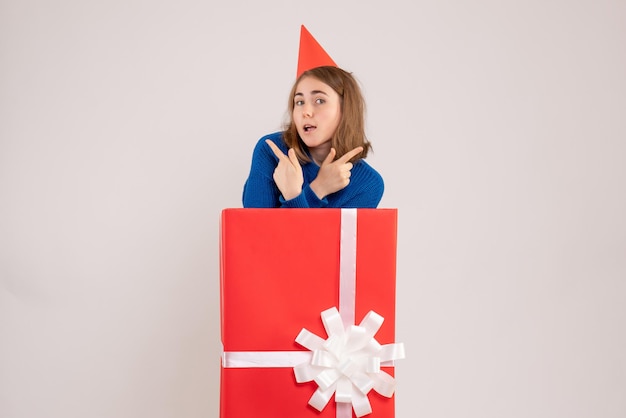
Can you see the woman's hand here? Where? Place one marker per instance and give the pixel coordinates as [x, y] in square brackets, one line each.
[333, 175]
[288, 173]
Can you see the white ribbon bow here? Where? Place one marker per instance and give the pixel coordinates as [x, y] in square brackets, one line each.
[347, 364]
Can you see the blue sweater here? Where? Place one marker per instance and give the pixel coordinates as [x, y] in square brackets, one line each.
[364, 190]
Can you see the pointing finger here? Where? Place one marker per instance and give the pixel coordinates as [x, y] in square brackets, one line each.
[277, 152]
[330, 157]
[348, 155]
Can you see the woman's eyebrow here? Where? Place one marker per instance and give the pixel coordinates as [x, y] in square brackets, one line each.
[312, 93]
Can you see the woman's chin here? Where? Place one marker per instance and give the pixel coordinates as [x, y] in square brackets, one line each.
[312, 142]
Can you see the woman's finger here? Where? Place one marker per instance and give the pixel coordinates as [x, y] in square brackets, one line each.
[277, 152]
[348, 155]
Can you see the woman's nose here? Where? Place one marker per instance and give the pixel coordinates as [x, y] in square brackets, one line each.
[307, 111]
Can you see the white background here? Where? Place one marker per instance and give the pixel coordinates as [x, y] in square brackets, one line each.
[499, 127]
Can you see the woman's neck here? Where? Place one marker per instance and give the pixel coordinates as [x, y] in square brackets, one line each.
[319, 153]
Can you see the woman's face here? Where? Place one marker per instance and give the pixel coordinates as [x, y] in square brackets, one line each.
[316, 111]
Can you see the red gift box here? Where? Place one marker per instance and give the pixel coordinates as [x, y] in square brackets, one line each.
[280, 268]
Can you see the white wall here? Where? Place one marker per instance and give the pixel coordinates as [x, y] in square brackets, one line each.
[499, 127]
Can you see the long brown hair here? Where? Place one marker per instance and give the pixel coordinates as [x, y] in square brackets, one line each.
[351, 130]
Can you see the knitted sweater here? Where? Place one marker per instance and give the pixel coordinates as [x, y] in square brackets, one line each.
[364, 190]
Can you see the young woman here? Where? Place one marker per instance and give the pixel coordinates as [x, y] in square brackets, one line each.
[317, 161]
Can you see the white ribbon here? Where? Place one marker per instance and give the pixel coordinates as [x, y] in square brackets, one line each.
[347, 267]
[245, 359]
[346, 364]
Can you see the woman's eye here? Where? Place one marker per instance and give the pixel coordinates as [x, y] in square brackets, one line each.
[320, 101]
[299, 102]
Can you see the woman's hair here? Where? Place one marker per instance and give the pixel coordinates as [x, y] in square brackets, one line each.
[351, 130]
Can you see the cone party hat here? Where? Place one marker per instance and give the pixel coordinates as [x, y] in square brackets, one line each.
[311, 53]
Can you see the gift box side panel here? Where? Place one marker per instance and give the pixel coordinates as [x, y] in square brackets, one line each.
[258, 393]
[376, 268]
[221, 249]
[280, 270]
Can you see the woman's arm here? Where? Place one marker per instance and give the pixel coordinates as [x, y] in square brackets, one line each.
[260, 191]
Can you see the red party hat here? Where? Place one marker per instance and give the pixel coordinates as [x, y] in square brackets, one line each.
[311, 53]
